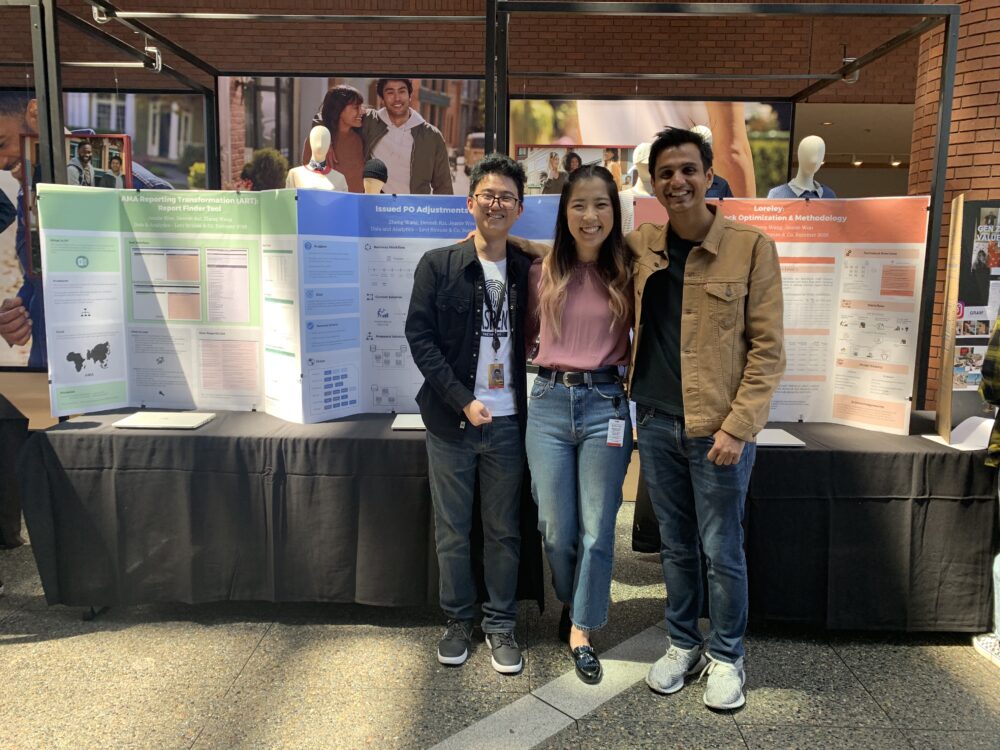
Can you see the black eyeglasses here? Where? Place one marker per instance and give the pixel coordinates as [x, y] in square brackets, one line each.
[486, 200]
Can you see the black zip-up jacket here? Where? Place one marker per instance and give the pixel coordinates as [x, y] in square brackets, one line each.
[443, 328]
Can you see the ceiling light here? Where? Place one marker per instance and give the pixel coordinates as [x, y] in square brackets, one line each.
[893, 161]
[856, 161]
[827, 123]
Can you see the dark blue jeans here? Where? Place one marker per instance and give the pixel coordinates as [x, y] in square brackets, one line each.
[699, 509]
[496, 451]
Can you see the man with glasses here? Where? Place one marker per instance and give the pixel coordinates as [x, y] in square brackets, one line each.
[464, 328]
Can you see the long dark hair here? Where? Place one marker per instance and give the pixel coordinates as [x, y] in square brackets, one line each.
[613, 260]
[334, 103]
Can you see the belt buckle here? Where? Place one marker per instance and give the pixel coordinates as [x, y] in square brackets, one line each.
[570, 379]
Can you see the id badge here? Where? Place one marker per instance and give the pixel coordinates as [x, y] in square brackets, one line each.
[616, 433]
[494, 375]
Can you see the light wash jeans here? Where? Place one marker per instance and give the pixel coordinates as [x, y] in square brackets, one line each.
[699, 508]
[576, 478]
[496, 451]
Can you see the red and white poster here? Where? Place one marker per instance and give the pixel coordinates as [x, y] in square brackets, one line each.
[851, 275]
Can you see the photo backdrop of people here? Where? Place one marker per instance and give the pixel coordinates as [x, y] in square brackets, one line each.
[756, 135]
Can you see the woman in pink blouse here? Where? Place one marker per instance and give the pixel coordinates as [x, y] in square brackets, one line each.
[579, 438]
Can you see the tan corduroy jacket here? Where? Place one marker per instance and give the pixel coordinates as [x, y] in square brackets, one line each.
[732, 340]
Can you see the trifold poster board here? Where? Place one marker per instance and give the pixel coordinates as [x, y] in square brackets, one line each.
[851, 276]
[294, 302]
[290, 302]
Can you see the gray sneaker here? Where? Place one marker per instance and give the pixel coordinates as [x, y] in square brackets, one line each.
[667, 675]
[506, 654]
[987, 645]
[453, 648]
[724, 690]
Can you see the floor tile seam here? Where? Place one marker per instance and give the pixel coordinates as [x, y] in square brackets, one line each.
[232, 683]
[576, 722]
[863, 685]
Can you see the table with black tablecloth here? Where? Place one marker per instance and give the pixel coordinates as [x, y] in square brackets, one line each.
[246, 507]
[863, 530]
[13, 434]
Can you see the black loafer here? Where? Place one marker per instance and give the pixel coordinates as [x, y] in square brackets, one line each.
[588, 666]
[564, 626]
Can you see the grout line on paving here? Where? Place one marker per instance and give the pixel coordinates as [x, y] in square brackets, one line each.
[892, 723]
[235, 680]
[561, 702]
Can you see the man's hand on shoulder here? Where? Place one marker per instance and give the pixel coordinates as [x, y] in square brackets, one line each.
[727, 449]
[15, 323]
[477, 413]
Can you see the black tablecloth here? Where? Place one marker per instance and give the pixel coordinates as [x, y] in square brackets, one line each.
[862, 530]
[247, 507]
[13, 434]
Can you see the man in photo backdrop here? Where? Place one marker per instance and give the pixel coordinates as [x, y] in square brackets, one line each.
[412, 149]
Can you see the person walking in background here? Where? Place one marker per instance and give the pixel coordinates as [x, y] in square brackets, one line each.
[612, 165]
[554, 178]
[988, 644]
[579, 437]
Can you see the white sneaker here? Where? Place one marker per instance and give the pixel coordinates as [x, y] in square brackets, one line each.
[667, 675]
[724, 690]
[988, 645]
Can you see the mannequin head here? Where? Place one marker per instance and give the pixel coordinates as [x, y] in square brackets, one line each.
[640, 159]
[704, 132]
[812, 151]
[319, 142]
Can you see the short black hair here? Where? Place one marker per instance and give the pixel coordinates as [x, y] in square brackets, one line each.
[569, 157]
[499, 164]
[116, 158]
[383, 82]
[674, 137]
[14, 103]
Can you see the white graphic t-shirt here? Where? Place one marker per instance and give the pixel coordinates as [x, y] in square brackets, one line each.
[500, 401]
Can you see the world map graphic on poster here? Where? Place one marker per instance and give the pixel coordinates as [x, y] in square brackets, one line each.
[98, 355]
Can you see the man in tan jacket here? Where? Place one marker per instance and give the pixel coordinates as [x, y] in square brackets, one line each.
[707, 355]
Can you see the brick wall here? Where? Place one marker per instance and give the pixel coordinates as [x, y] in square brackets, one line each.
[974, 148]
[537, 43]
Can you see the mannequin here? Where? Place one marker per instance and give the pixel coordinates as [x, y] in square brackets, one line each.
[643, 183]
[375, 176]
[719, 187]
[642, 186]
[812, 151]
[317, 174]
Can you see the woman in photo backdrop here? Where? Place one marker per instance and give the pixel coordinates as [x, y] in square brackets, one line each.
[579, 438]
[341, 114]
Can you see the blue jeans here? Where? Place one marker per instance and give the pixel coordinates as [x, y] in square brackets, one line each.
[699, 508]
[496, 451]
[576, 478]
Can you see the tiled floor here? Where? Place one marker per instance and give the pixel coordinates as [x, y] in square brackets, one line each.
[248, 675]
